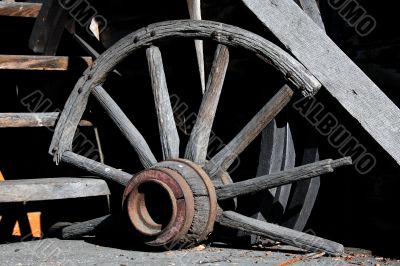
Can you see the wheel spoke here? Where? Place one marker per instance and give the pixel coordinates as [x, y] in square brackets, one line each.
[196, 149]
[90, 227]
[279, 233]
[94, 167]
[125, 126]
[282, 178]
[166, 122]
[227, 155]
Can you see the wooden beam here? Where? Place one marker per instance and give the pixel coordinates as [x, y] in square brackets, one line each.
[51, 189]
[21, 120]
[34, 62]
[344, 80]
[48, 28]
[195, 14]
[19, 9]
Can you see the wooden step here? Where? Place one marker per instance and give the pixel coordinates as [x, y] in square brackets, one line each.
[51, 189]
[24, 120]
[19, 9]
[37, 62]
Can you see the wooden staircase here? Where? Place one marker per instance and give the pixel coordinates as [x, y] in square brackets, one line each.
[19, 191]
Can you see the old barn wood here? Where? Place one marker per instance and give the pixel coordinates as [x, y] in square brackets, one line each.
[344, 80]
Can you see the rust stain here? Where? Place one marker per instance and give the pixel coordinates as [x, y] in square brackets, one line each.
[291, 261]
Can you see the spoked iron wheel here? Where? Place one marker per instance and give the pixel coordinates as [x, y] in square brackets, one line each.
[177, 201]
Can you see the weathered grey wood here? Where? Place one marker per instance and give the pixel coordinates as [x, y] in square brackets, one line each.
[166, 121]
[18, 9]
[8, 120]
[279, 233]
[288, 162]
[195, 13]
[277, 154]
[196, 150]
[305, 193]
[223, 159]
[34, 62]
[304, 196]
[87, 228]
[51, 189]
[344, 80]
[311, 8]
[224, 34]
[281, 178]
[94, 167]
[125, 126]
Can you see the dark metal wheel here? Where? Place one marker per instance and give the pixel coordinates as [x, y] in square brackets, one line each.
[193, 188]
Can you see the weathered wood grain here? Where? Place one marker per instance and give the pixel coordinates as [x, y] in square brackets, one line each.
[277, 153]
[166, 121]
[344, 80]
[222, 33]
[223, 159]
[126, 127]
[13, 120]
[311, 8]
[87, 228]
[96, 168]
[33, 62]
[279, 233]
[19, 9]
[196, 149]
[51, 189]
[281, 178]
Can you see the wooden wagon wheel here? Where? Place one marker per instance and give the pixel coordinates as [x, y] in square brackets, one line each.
[189, 188]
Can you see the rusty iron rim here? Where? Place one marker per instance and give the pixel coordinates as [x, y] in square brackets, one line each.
[181, 199]
[139, 214]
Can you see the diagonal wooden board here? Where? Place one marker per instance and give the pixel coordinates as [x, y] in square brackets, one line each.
[344, 80]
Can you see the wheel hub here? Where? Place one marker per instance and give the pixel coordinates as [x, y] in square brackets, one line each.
[173, 203]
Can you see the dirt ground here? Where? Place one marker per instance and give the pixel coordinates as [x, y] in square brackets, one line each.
[79, 252]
